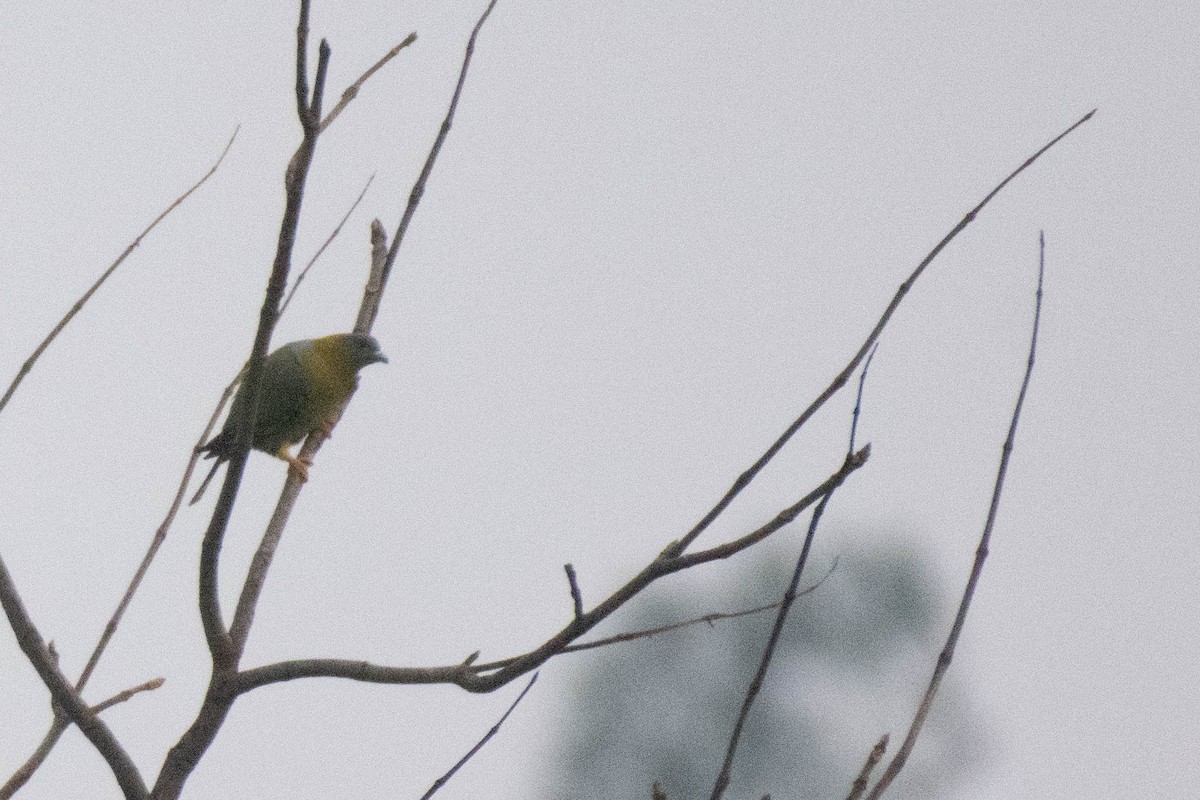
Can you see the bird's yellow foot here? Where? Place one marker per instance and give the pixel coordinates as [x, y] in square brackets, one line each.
[298, 467]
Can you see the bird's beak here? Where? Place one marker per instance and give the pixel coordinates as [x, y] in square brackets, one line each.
[379, 358]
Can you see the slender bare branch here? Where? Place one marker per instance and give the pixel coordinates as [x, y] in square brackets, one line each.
[576, 595]
[64, 694]
[486, 677]
[440, 782]
[104, 276]
[726, 772]
[840, 380]
[707, 619]
[352, 90]
[981, 552]
[333, 235]
[418, 189]
[128, 694]
[864, 776]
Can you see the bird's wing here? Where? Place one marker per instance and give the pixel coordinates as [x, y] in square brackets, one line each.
[284, 412]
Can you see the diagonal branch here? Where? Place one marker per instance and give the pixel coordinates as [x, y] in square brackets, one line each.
[79, 304]
[418, 189]
[842, 377]
[760, 676]
[489, 676]
[64, 694]
[440, 782]
[352, 90]
[981, 552]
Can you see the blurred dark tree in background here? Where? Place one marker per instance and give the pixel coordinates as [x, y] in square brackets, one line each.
[853, 659]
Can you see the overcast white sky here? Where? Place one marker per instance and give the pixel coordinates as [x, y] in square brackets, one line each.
[656, 231]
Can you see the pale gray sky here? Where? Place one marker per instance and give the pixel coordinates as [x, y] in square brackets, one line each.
[656, 231]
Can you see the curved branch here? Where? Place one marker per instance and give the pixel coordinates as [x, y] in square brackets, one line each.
[79, 304]
[64, 694]
[489, 676]
[842, 377]
[944, 658]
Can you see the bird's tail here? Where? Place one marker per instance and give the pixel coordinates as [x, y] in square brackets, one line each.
[199, 492]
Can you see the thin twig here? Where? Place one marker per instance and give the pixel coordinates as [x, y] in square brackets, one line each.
[79, 304]
[842, 377]
[707, 619]
[352, 90]
[726, 772]
[576, 596]
[981, 552]
[440, 782]
[127, 694]
[864, 775]
[59, 726]
[418, 189]
[333, 235]
[64, 694]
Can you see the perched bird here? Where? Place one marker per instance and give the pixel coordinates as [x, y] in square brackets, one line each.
[303, 384]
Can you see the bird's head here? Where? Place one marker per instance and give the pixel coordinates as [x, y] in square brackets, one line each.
[361, 350]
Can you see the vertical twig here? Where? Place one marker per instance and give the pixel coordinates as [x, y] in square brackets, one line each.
[723, 777]
[981, 552]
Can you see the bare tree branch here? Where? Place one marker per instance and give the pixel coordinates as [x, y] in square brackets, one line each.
[726, 772]
[418, 189]
[333, 235]
[864, 776]
[840, 380]
[368, 310]
[181, 760]
[981, 552]
[489, 676]
[79, 304]
[707, 619]
[440, 782]
[64, 694]
[352, 90]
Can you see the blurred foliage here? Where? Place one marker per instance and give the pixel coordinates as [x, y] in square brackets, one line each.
[854, 658]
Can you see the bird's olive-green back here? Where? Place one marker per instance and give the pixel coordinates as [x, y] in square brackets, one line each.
[304, 382]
